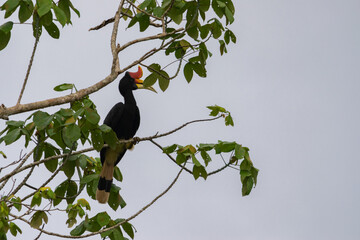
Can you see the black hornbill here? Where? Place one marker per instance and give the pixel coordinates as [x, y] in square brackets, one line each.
[124, 119]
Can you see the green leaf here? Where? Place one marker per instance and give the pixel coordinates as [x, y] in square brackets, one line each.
[115, 199]
[117, 174]
[42, 119]
[97, 140]
[13, 123]
[60, 192]
[229, 120]
[144, 4]
[204, 5]
[128, 229]
[199, 69]
[150, 80]
[47, 19]
[71, 191]
[232, 37]
[10, 7]
[158, 11]
[164, 80]
[176, 17]
[71, 134]
[188, 72]
[74, 9]
[227, 146]
[248, 184]
[239, 151]
[38, 218]
[4, 39]
[12, 136]
[53, 30]
[78, 230]
[60, 15]
[3, 154]
[26, 10]
[92, 116]
[245, 165]
[5, 34]
[17, 203]
[14, 229]
[89, 178]
[217, 9]
[144, 21]
[36, 200]
[6, 27]
[170, 149]
[254, 173]
[132, 22]
[221, 4]
[193, 32]
[103, 219]
[63, 87]
[195, 161]
[206, 157]
[44, 7]
[204, 31]
[64, 6]
[205, 146]
[180, 159]
[154, 68]
[199, 171]
[227, 37]
[49, 151]
[69, 168]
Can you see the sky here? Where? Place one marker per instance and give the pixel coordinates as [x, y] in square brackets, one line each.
[291, 83]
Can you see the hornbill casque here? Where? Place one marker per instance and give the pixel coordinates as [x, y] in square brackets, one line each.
[124, 119]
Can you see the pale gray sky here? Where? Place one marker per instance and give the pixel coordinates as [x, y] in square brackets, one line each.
[291, 83]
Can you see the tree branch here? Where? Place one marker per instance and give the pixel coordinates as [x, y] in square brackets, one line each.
[172, 159]
[115, 65]
[29, 68]
[109, 228]
[133, 140]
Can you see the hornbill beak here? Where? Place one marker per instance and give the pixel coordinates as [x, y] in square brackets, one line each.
[139, 83]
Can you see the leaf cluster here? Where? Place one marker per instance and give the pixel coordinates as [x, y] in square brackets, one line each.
[239, 157]
[44, 13]
[103, 220]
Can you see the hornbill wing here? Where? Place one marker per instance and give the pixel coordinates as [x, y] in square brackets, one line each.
[110, 157]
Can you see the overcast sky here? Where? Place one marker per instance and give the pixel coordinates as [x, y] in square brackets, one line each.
[292, 85]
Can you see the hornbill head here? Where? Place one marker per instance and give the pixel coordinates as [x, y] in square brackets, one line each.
[131, 81]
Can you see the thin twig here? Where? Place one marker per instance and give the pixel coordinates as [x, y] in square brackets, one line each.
[133, 140]
[53, 175]
[29, 67]
[16, 169]
[109, 228]
[172, 159]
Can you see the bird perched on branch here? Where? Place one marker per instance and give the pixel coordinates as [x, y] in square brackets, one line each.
[124, 119]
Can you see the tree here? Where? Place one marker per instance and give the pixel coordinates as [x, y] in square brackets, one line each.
[57, 141]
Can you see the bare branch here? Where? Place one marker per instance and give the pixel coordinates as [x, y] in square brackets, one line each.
[115, 65]
[157, 36]
[29, 68]
[103, 24]
[6, 112]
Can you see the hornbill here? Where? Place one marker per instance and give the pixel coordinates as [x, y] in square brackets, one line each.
[124, 119]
